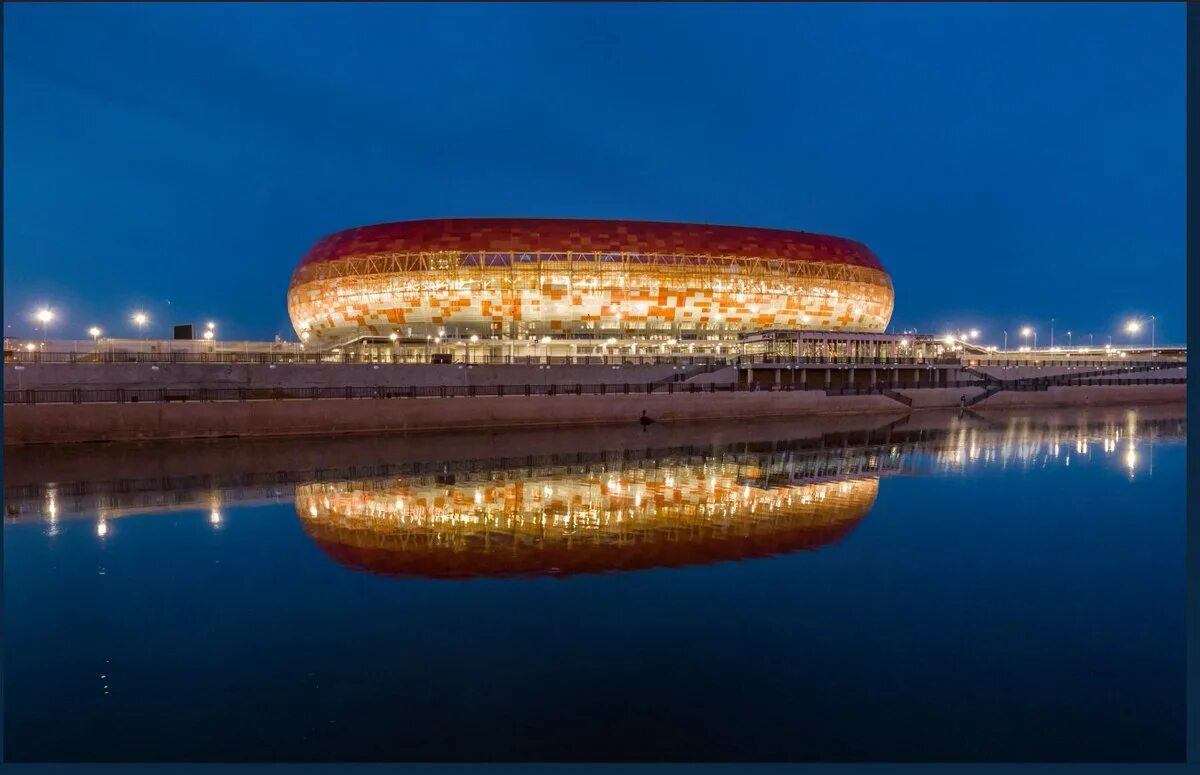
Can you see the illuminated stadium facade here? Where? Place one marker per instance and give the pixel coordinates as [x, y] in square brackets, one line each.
[525, 280]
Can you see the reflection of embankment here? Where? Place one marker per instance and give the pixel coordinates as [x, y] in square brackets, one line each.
[118, 480]
[636, 518]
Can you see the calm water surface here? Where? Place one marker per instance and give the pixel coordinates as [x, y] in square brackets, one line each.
[944, 587]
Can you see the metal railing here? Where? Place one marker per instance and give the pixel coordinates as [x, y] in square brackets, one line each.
[834, 360]
[481, 359]
[184, 395]
[475, 359]
[1166, 362]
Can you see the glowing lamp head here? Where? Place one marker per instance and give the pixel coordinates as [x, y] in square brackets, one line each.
[545, 340]
[1133, 326]
[140, 319]
[974, 334]
[210, 325]
[904, 342]
[474, 338]
[93, 332]
[1026, 331]
[208, 334]
[393, 336]
[44, 315]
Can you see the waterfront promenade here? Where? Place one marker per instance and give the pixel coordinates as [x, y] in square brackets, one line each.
[48, 400]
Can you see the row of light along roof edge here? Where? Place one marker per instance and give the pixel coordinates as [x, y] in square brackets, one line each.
[553, 235]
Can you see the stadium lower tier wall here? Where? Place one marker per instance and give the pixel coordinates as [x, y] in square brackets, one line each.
[62, 423]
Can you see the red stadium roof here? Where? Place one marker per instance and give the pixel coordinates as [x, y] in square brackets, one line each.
[559, 235]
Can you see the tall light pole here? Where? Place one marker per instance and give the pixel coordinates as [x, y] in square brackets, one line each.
[1152, 331]
[1068, 340]
[1051, 334]
[1026, 331]
[1005, 341]
[1131, 328]
[474, 338]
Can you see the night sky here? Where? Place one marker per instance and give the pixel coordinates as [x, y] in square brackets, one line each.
[1009, 164]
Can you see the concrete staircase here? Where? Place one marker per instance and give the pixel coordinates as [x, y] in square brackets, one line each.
[689, 372]
[895, 396]
[990, 391]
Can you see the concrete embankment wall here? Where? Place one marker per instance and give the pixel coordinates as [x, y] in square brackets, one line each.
[1088, 395]
[48, 423]
[52, 423]
[306, 375]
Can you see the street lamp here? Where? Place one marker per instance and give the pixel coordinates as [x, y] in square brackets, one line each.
[1068, 340]
[473, 340]
[1026, 332]
[1006, 341]
[208, 334]
[140, 319]
[974, 333]
[44, 316]
[1131, 328]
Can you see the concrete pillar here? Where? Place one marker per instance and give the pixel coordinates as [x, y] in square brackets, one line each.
[803, 377]
[873, 377]
[828, 378]
[778, 377]
[895, 377]
[850, 378]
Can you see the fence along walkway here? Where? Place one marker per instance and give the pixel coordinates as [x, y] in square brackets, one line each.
[183, 395]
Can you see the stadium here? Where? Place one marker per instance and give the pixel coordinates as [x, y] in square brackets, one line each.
[526, 281]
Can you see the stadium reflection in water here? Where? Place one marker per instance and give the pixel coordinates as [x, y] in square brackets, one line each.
[634, 518]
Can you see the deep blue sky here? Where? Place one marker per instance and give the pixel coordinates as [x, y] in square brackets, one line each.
[1008, 163]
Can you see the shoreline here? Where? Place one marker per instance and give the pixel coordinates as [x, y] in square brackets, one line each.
[28, 425]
